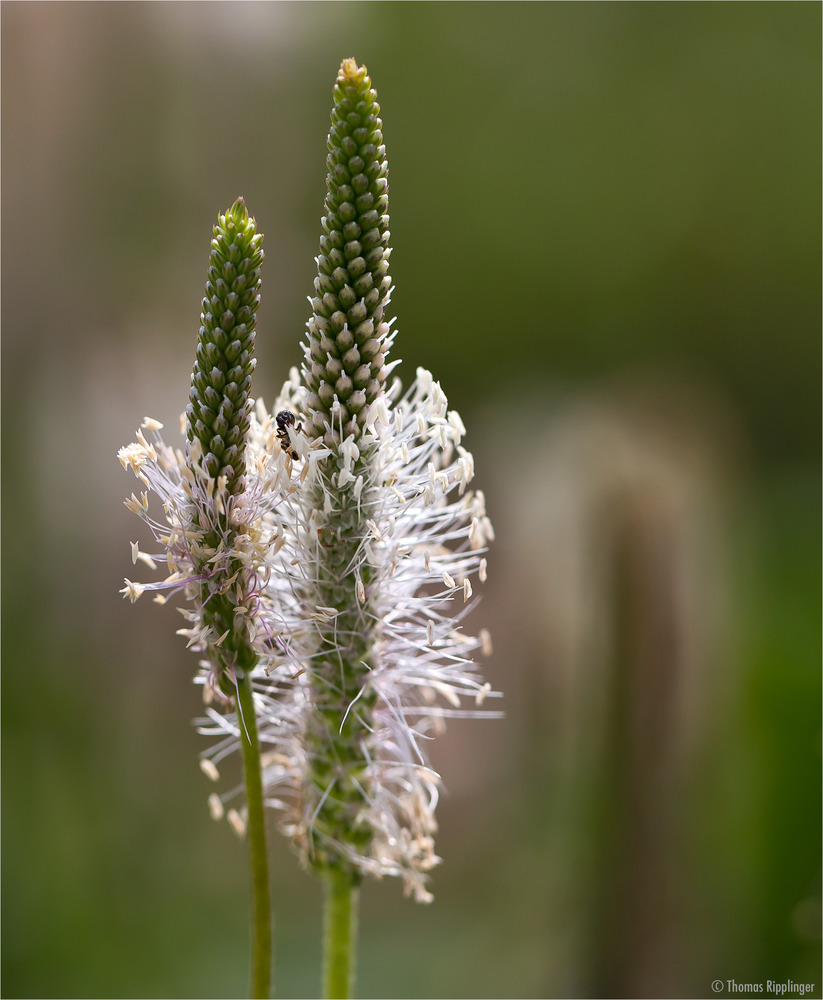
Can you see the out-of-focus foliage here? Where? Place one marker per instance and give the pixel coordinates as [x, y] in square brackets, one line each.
[630, 325]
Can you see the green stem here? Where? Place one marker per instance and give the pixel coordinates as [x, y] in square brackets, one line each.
[256, 832]
[340, 934]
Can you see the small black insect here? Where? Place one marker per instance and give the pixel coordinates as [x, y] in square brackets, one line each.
[284, 420]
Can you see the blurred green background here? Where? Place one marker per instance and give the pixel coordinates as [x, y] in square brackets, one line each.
[607, 230]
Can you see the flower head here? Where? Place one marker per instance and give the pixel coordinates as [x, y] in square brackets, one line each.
[382, 545]
[204, 534]
[389, 556]
[337, 551]
[362, 656]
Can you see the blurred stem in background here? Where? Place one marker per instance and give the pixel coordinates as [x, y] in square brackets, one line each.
[631, 495]
[632, 899]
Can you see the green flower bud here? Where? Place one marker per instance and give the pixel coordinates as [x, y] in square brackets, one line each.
[219, 406]
[347, 334]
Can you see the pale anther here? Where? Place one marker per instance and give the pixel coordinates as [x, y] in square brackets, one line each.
[208, 768]
[237, 823]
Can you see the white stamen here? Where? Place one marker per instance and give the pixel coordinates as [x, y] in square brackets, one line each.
[480, 697]
[208, 768]
[132, 590]
[237, 822]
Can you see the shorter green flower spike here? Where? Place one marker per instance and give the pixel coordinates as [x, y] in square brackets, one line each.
[348, 338]
[205, 534]
[219, 406]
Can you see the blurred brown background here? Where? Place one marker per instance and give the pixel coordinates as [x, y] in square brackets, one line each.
[607, 230]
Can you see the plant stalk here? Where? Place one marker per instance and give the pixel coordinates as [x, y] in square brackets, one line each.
[261, 929]
[340, 934]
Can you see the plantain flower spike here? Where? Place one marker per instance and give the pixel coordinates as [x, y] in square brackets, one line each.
[203, 536]
[337, 552]
[212, 534]
[388, 544]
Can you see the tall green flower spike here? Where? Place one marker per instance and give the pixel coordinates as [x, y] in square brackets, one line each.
[345, 372]
[348, 337]
[384, 554]
[205, 536]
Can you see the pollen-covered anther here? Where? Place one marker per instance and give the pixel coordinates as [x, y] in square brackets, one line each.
[241, 513]
[457, 426]
[465, 467]
[216, 806]
[238, 824]
[132, 590]
[134, 505]
[429, 494]
[133, 455]
[375, 532]
[208, 768]
[149, 448]
[325, 614]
